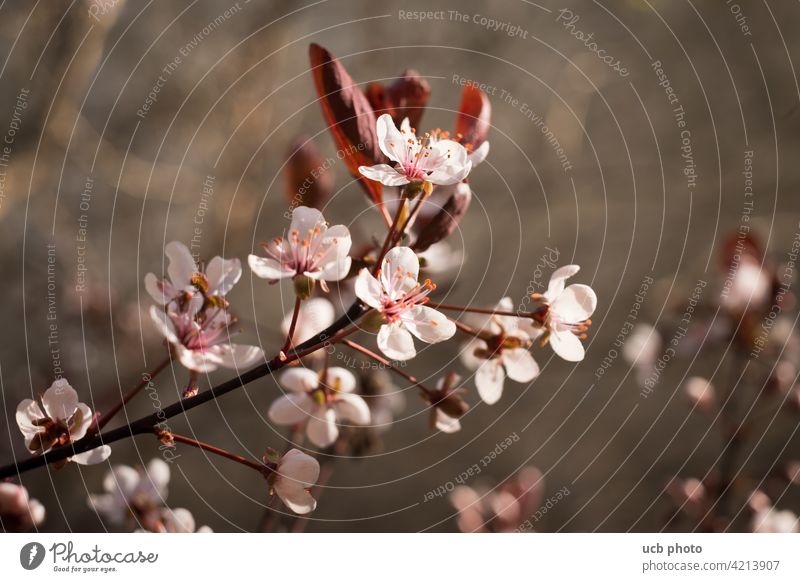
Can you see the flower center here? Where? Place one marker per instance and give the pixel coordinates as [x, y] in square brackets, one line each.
[417, 295]
[301, 253]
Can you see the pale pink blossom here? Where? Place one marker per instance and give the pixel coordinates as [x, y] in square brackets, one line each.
[501, 350]
[566, 314]
[58, 419]
[201, 340]
[400, 299]
[133, 493]
[701, 393]
[315, 315]
[312, 250]
[18, 511]
[178, 520]
[186, 276]
[319, 403]
[295, 474]
[438, 161]
[771, 520]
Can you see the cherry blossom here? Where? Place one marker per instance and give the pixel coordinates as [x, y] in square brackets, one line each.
[312, 250]
[18, 512]
[502, 349]
[178, 520]
[565, 314]
[59, 419]
[438, 161]
[400, 300]
[295, 474]
[447, 405]
[200, 340]
[133, 494]
[321, 404]
[771, 520]
[185, 276]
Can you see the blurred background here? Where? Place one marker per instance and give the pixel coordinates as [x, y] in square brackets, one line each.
[620, 141]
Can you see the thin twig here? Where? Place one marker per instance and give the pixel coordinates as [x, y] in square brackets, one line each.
[260, 467]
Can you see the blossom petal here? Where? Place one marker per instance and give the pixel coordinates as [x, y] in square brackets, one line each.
[399, 272]
[27, 411]
[181, 266]
[269, 269]
[296, 473]
[237, 356]
[385, 174]
[520, 365]
[305, 220]
[557, 279]
[341, 379]
[447, 424]
[575, 304]
[567, 345]
[164, 324]
[479, 155]
[222, 275]
[157, 477]
[428, 324]
[368, 289]
[352, 408]
[299, 379]
[489, 381]
[196, 360]
[396, 342]
[291, 409]
[93, 457]
[392, 141]
[60, 400]
[80, 423]
[321, 428]
[161, 291]
[335, 270]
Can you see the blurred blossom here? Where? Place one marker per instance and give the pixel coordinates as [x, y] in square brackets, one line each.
[502, 349]
[771, 520]
[384, 398]
[296, 473]
[700, 393]
[18, 511]
[447, 405]
[319, 403]
[59, 419]
[133, 494]
[315, 315]
[178, 520]
[642, 347]
[502, 509]
[748, 288]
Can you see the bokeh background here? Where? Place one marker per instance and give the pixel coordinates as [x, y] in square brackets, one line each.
[242, 92]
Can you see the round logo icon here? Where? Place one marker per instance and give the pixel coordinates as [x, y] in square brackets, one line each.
[31, 555]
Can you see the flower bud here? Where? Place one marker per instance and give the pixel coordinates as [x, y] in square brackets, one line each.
[453, 405]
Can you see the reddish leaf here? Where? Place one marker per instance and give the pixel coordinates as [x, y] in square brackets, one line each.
[474, 116]
[308, 183]
[406, 97]
[349, 116]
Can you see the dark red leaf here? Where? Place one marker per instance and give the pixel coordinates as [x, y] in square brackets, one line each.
[308, 183]
[474, 116]
[349, 116]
